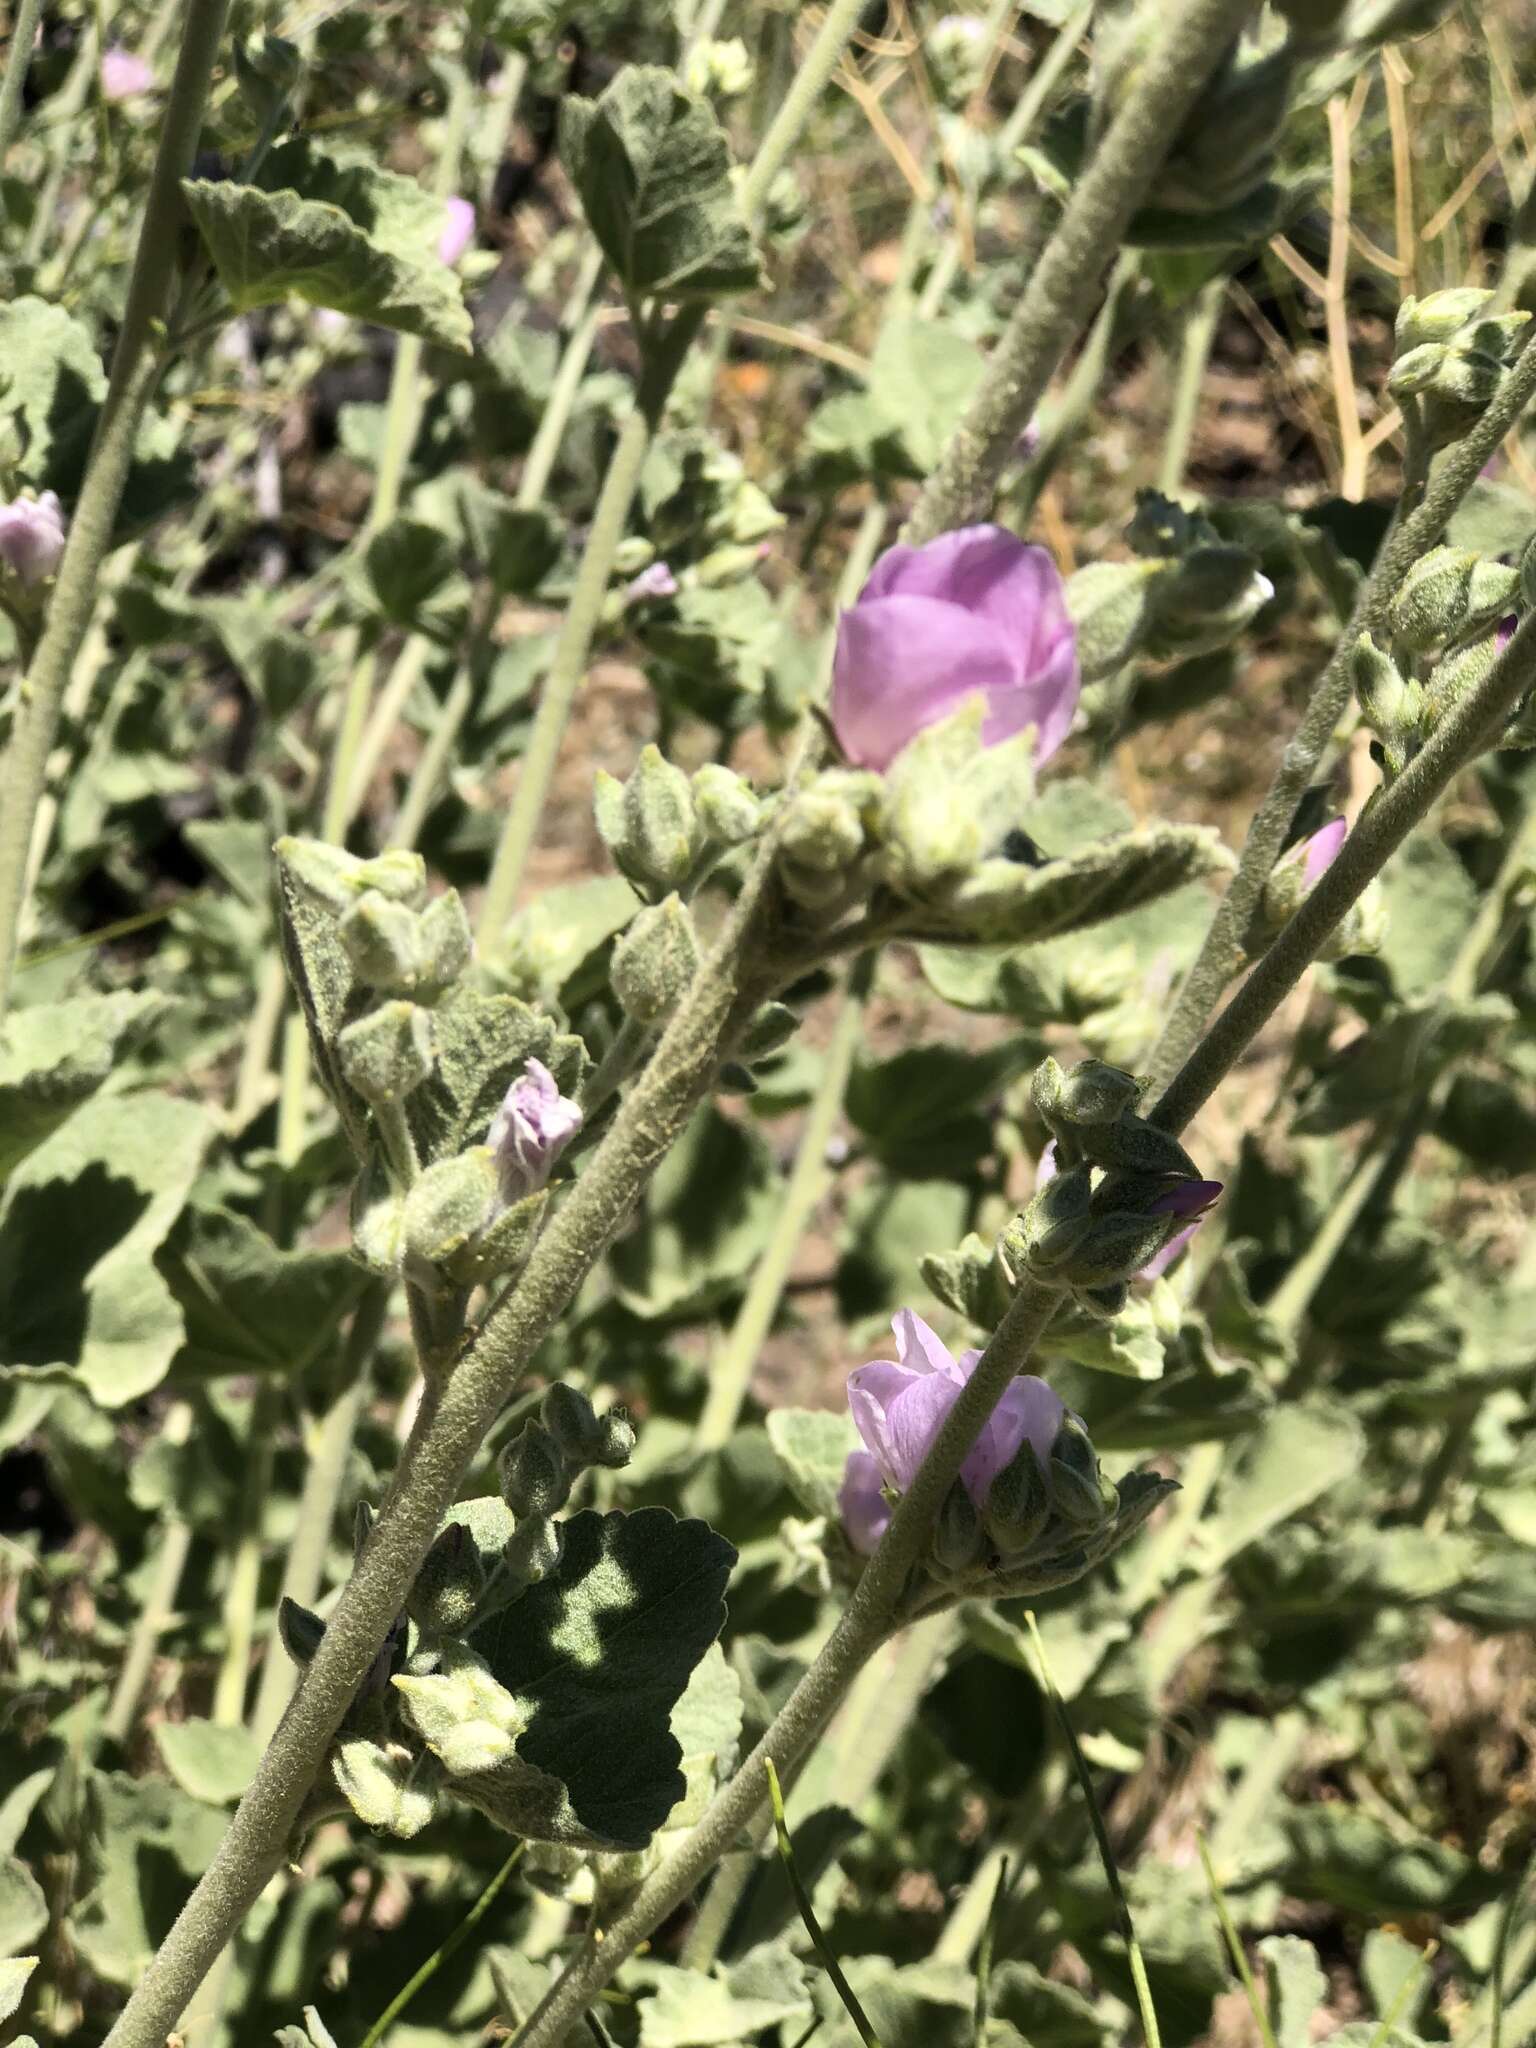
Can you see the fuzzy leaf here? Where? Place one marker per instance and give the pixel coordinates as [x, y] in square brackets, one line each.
[152, 1841]
[248, 1306]
[212, 1763]
[599, 1653]
[361, 248]
[712, 1205]
[812, 1446]
[13, 1984]
[23, 1909]
[54, 1055]
[1003, 900]
[82, 1219]
[1298, 1454]
[652, 168]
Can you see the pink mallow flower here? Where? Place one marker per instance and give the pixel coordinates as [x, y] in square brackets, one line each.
[1319, 850]
[458, 230]
[32, 537]
[899, 1406]
[531, 1129]
[124, 76]
[656, 581]
[975, 610]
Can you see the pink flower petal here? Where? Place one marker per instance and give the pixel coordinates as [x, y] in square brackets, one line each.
[901, 664]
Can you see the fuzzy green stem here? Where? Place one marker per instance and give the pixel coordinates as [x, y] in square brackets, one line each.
[583, 318]
[135, 368]
[23, 36]
[384, 720]
[1066, 280]
[1194, 354]
[244, 1583]
[1421, 518]
[1469, 730]
[421, 791]
[175, 1544]
[731, 1371]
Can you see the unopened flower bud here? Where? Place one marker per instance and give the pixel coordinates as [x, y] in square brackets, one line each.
[529, 1132]
[1432, 600]
[1438, 317]
[567, 1415]
[338, 879]
[32, 538]
[446, 940]
[648, 822]
[1076, 1486]
[616, 1440]
[1094, 1092]
[1054, 1223]
[1416, 369]
[534, 1479]
[386, 1054]
[728, 808]
[770, 1029]
[1499, 339]
[1217, 583]
[1460, 671]
[654, 961]
[384, 943]
[447, 1589]
[300, 1630]
[1018, 1506]
[826, 833]
[1110, 604]
[449, 1203]
[958, 1538]
[124, 76]
[1466, 378]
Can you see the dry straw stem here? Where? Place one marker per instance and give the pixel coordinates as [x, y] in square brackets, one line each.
[1061, 291]
[1421, 518]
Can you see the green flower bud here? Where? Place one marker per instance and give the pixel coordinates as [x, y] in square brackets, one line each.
[1077, 1488]
[1018, 1504]
[1093, 1092]
[567, 1415]
[338, 878]
[447, 943]
[449, 1202]
[1045, 1089]
[1392, 706]
[1450, 680]
[1115, 1246]
[771, 1028]
[386, 1054]
[1111, 607]
[447, 1589]
[1436, 318]
[1500, 339]
[654, 961]
[534, 1478]
[1467, 379]
[722, 566]
[1493, 589]
[383, 941]
[1216, 583]
[1416, 369]
[728, 809]
[502, 1245]
[826, 834]
[1055, 1222]
[958, 1539]
[1432, 601]
[616, 1440]
[648, 822]
[375, 1782]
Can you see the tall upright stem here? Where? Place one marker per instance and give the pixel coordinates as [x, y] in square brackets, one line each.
[578, 629]
[1422, 515]
[18, 57]
[135, 369]
[175, 1544]
[1193, 359]
[1066, 280]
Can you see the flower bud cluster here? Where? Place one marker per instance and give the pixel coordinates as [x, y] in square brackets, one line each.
[1122, 1191]
[1450, 358]
[666, 829]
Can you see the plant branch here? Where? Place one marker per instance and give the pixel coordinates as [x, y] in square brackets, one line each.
[135, 369]
[1469, 730]
[23, 36]
[1421, 518]
[1066, 280]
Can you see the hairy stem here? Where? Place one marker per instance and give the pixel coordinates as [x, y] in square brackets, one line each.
[1065, 282]
[1194, 354]
[23, 36]
[136, 367]
[1421, 518]
[1470, 729]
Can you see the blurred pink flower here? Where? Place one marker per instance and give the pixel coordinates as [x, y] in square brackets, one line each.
[976, 610]
[899, 1406]
[531, 1129]
[656, 581]
[1189, 1198]
[1319, 850]
[124, 76]
[458, 229]
[32, 537]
